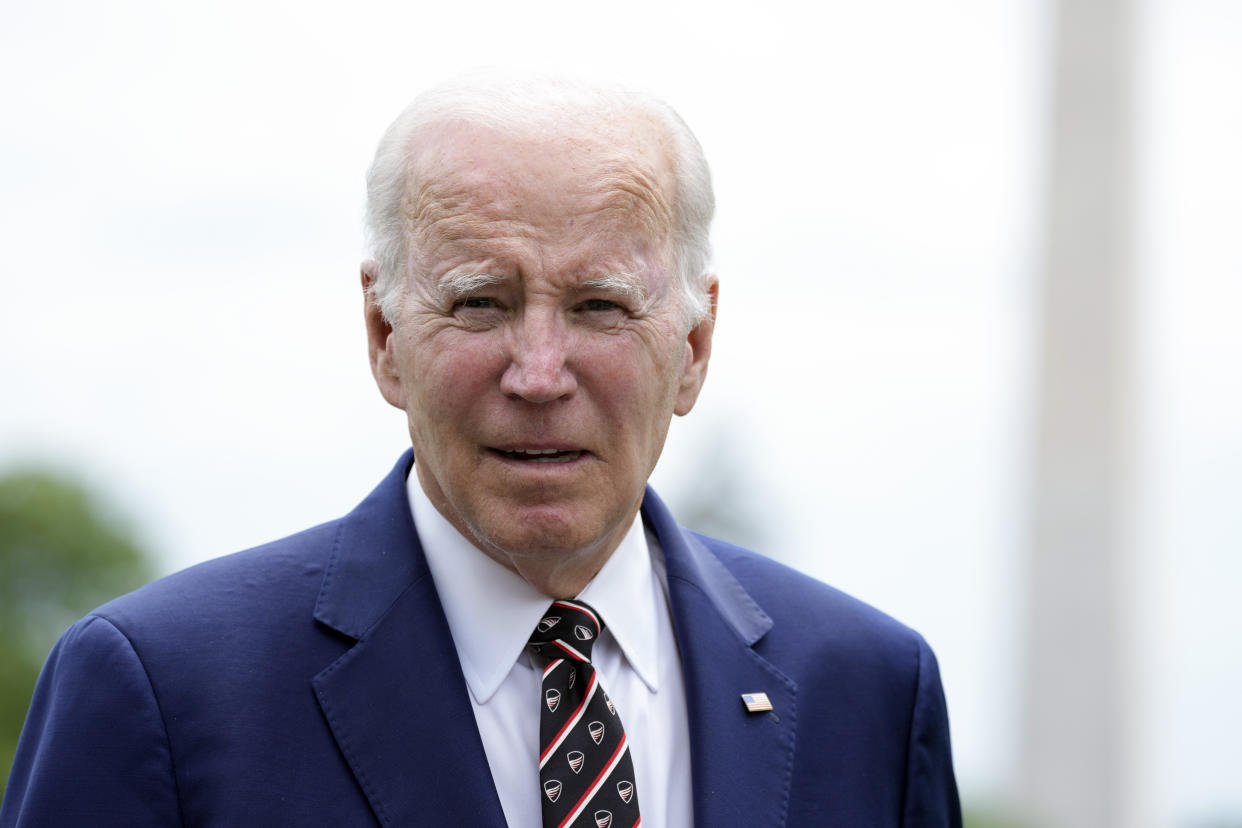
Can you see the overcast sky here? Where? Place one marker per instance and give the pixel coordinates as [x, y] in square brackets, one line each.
[180, 314]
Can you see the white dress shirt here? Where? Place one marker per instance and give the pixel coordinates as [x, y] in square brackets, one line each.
[492, 612]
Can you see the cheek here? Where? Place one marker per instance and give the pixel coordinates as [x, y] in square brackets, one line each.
[448, 373]
[634, 381]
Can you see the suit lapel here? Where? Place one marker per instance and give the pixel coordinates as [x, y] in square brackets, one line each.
[742, 762]
[396, 702]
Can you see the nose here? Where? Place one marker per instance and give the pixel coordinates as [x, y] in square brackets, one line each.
[538, 371]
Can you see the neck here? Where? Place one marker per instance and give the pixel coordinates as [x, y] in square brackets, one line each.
[555, 572]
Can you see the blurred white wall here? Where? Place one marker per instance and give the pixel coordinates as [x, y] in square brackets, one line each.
[1190, 518]
[179, 315]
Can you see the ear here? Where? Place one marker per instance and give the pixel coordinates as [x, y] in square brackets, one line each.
[380, 345]
[698, 352]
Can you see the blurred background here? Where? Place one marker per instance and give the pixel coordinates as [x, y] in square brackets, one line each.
[977, 360]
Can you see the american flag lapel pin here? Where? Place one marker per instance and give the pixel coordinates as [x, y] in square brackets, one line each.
[756, 702]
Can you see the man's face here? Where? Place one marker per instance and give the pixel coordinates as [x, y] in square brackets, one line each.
[540, 349]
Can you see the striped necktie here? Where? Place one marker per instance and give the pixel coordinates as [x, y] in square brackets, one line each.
[584, 758]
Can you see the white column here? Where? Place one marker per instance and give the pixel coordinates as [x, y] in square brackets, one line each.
[1073, 756]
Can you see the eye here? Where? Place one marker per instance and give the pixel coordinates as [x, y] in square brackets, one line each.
[600, 306]
[478, 302]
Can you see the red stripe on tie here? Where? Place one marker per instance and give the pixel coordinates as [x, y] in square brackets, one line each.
[595, 786]
[552, 665]
[573, 720]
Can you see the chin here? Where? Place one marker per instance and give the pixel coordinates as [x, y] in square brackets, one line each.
[542, 529]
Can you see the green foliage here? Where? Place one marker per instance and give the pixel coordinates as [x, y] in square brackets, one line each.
[61, 554]
[991, 815]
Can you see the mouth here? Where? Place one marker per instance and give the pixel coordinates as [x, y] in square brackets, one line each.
[539, 455]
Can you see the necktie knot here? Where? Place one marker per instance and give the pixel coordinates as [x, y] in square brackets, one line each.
[568, 629]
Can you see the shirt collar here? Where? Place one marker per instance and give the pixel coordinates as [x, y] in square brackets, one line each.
[492, 611]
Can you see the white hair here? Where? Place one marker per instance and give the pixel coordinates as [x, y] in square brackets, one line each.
[508, 104]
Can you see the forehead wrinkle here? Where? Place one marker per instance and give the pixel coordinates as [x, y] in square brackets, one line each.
[446, 209]
[448, 203]
[635, 189]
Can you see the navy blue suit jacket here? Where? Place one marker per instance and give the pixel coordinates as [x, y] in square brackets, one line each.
[313, 681]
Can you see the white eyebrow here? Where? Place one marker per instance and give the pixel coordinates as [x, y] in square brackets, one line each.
[458, 284]
[627, 284]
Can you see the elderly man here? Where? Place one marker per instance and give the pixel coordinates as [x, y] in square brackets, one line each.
[511, 629]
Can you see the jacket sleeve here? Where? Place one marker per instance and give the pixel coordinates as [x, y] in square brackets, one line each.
[931, 799]
[94, 750]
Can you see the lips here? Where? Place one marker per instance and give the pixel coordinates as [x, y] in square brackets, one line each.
[540, 455]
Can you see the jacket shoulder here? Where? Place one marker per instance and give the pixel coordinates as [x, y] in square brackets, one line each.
[251, 588]
[815, 611]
